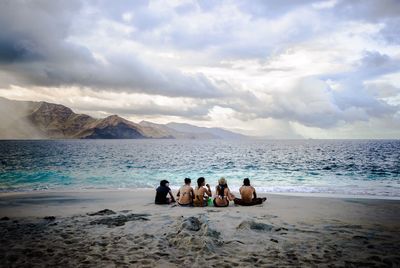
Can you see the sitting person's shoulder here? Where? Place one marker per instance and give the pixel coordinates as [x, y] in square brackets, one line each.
[164, 188]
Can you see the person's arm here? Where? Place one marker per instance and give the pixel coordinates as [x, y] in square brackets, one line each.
[230, 195]
[254, 192]
[172, 197]
[192, 191]
[208, 190]
[178, 194]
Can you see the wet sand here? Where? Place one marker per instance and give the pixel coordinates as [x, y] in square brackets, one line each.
[125, 229]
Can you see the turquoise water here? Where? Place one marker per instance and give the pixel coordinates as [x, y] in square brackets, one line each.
[355, 167]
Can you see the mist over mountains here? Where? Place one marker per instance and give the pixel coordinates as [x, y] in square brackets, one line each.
[43, 120]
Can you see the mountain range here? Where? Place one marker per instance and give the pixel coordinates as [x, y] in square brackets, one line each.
[43, 120]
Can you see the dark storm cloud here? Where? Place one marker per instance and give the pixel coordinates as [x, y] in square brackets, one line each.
[270, 8]
[385, 12]
[372, 64]
[390, 31]
[313, 103]
[195, 111]
[21, 51]
[375, 63]
[28, 28]
[122, 73]
[368, 10]
[35, 51]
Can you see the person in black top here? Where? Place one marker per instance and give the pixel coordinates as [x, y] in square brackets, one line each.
[161, 194]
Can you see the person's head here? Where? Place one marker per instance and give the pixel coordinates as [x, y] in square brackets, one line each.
[188, 181]
[246, 182]
[201, 181]
[164, 183]
[221, 186]
[222, 181]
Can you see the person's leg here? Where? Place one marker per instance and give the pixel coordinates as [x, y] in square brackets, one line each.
[163, 203]
[215, 203]
[255, 201]
[239, 202]
[258, 201]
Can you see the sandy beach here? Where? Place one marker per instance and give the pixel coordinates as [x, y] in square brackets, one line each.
[125, 229]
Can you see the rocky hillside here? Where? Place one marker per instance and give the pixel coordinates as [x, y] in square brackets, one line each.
[43, 120]
[178, 134]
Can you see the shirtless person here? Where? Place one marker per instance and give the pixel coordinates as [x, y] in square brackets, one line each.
[248, 194]
[185, 194]
[201, 193]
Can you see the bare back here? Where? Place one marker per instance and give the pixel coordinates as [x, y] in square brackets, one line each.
[247, 193]
[185, 195]
[199, 197]
[222, 201]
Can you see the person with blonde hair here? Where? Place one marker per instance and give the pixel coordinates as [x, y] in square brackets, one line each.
[222, 194]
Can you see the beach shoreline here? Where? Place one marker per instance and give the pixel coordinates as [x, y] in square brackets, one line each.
[63, 229]
[176, 188]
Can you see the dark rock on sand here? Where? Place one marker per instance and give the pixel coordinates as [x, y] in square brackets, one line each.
[374, 258]
[120, 220]
[195, 224]
[50, 218]
[5, 219]
[193, 233]
[256, 226]
[274, 240]
[102, 212]
[358, 237]
[125, 211]
[191, 224]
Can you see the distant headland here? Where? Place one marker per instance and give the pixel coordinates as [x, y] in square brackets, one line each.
[43, 120]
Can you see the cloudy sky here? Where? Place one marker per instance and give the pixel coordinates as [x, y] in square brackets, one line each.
[281, 69]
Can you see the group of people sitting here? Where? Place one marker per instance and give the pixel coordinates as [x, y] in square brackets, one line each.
[202, 194]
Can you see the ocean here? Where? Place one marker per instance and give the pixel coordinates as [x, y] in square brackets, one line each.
[369, 168]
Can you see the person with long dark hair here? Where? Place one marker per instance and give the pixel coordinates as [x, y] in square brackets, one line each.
[201, 193]
[222, 194]
[161, 194]
[249, 195]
